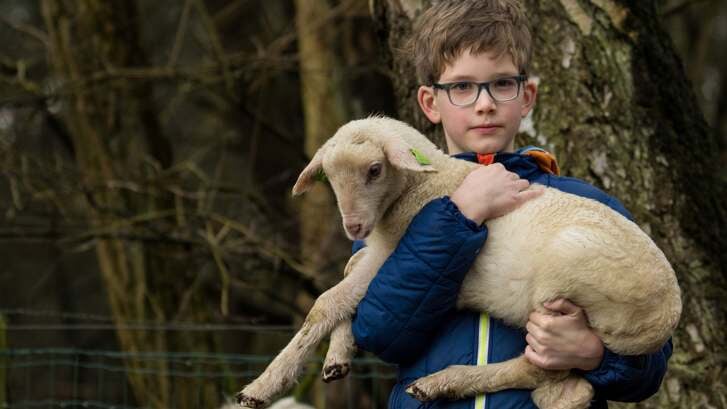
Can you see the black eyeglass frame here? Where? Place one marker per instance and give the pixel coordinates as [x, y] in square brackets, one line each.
[486, 85]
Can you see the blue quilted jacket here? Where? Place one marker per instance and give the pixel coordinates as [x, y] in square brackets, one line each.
[408, 315]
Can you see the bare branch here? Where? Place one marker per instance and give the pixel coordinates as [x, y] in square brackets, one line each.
[26, 29]
[179, 36]
[681, 7]
[217, 48]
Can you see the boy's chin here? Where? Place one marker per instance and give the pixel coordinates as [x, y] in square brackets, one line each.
[494, 145]
[479, 144]
[490, 147]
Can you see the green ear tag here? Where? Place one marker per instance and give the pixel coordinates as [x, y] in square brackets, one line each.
[320, 176]
[423, 160]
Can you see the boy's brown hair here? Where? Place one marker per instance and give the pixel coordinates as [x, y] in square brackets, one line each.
[451, 27]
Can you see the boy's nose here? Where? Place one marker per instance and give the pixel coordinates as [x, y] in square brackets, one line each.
[484, 102]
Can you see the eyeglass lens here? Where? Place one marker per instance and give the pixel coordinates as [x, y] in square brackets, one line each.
[465, 93]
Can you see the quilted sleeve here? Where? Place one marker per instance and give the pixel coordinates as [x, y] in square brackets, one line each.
[417, 286]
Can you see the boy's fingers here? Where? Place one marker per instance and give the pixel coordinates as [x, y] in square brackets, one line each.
[522, 184]
[536, 332]
[539, 320]
[533, 357]
[562, 306]
[526, 195]
[533, 343]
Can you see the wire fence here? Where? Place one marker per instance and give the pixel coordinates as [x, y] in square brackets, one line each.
[90, 378]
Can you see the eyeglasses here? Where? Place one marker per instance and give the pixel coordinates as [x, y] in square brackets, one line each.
[463, 93]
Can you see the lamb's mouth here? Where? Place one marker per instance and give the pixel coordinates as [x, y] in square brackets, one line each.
[361, 235]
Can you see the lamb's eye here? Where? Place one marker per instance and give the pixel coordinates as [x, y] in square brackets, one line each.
[374, 171]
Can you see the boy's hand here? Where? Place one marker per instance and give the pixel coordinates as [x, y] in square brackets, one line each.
[491, 191]
[562, 339]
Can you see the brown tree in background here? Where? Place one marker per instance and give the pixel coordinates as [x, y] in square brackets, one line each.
[156, 143]
[325, 109]
[117, 142]
[616, 109]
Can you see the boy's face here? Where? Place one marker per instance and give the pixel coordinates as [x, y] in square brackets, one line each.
[485, 126]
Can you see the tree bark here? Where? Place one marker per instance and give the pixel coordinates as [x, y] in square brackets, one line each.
[615, 107]
[115, 135]
[324, 110]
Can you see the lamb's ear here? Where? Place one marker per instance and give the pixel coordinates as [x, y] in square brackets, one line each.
[311, 173]
[403, 156]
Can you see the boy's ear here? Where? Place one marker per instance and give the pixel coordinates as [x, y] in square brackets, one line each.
[428, 103]
[311, 173]
[403, 156]
[530, 93]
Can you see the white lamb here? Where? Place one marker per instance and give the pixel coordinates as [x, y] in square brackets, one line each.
[558, 245]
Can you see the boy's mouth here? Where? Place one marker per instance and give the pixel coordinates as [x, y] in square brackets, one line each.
[486, 129]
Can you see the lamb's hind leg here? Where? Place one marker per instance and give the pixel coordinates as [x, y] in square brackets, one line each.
[340, 352]
[464, 381]
[573, 392]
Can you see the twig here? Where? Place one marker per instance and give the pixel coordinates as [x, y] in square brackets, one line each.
[679, 8]
[26, 29]
[217, 48]
[267, 247]
[179, 37]
[214, 241]
[55, 236]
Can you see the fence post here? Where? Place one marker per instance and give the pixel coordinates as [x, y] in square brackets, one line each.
[3, 361]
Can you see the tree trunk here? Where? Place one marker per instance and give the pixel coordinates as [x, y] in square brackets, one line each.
[616, 109]
[115, 136]
[324, 109]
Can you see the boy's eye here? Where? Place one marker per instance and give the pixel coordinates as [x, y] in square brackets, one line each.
[462, 86]
[504, 83]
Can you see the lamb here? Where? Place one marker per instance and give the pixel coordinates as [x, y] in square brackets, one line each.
[604, 263]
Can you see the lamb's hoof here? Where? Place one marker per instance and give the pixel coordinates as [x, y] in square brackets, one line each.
[417, 393]
[335, 372]
[248, 401]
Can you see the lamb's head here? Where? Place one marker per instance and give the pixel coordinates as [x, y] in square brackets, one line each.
[366, 163]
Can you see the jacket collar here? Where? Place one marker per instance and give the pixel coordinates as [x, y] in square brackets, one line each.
[520, 162]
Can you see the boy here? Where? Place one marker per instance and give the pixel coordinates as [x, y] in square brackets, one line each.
[472, 57]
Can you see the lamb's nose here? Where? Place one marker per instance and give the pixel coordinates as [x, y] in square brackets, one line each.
[353, 228]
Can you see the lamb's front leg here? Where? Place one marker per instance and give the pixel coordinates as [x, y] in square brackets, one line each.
[342, 346]
[340, 351]
[333, 306]
[464, 381]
